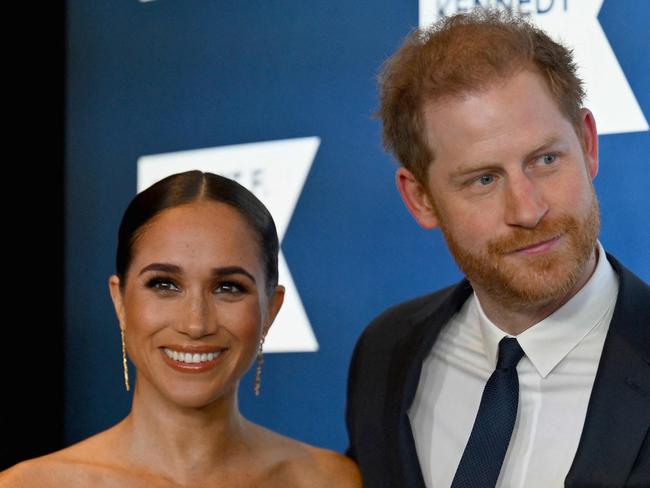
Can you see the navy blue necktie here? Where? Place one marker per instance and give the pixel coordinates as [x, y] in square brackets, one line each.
[487, 445]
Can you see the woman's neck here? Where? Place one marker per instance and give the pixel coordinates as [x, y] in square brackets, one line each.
[184, 442]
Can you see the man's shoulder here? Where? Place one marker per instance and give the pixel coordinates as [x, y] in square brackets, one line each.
[631, 319]
[631, 281]
[400, 320]
[392, 342]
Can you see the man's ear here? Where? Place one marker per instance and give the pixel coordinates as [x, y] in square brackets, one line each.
[416, 199]
[118, 300]
[275, 303]
[589, 141]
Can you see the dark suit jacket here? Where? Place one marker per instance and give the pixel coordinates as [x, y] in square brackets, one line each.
[614, 449]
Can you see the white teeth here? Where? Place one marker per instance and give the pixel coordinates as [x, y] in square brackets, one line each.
[189, 357]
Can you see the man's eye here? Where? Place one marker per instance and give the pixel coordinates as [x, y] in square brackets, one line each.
[549, 158]
[485, 179]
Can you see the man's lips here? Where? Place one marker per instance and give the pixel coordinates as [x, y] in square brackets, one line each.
[538, 247]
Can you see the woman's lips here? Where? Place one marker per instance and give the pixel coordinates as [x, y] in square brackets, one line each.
[196, 359]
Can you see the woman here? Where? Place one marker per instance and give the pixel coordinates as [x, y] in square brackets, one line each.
[195, 292]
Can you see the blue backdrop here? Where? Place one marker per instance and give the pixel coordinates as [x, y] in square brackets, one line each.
[170, 75]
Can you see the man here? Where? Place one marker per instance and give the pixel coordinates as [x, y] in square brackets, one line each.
[535, 370]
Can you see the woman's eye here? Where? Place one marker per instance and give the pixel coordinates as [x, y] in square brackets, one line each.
[229, 287]
[162, 284]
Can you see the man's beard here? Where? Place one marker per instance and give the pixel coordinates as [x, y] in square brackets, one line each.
[531, 281]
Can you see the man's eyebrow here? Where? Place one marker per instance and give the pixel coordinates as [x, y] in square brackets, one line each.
[470, 168]
[548, 142]
[214, 272]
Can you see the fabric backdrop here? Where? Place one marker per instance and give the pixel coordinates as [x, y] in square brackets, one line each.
[155, 87]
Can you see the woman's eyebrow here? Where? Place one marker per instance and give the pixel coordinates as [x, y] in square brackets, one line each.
[165, 267]
[231, 270]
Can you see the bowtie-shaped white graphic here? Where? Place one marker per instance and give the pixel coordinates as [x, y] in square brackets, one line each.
[575, 24]
[275, 172]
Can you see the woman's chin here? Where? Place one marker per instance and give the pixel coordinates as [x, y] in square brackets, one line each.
[199, 396]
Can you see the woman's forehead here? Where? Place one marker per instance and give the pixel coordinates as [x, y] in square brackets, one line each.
[200, 229]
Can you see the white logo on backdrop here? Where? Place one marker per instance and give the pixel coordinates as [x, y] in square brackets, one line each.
[275, 172]
[575, 23]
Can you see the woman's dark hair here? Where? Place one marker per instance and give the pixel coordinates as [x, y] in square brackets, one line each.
[193, 186]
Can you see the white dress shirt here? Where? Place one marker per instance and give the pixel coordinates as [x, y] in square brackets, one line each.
[556, 376]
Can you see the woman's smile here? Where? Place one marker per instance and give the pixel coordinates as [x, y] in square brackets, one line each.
[192, 361]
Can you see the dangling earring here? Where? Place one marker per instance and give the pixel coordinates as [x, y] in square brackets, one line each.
[258, 370]
[125, 366]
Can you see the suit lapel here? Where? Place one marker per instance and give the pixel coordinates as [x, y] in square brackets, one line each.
[617, 420]
[406, 365]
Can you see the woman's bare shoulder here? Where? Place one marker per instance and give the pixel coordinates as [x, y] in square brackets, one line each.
[26, 473]
[73, 466]
[302, 465]
[337, 469]
[47, 471]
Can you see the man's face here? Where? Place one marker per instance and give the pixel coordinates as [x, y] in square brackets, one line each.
[510, 187]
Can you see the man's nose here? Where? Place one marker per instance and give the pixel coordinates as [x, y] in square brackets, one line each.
[525, 205]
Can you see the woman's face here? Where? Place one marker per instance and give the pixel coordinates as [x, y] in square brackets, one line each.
[194, 305]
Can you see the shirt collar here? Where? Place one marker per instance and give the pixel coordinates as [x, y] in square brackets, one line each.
[550, 340]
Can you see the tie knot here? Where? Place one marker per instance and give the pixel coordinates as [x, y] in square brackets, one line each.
[510, 352]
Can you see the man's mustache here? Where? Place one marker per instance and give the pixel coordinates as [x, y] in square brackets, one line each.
[520, 238]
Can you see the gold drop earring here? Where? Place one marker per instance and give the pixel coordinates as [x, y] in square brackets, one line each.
[125, 366]
[258, 369]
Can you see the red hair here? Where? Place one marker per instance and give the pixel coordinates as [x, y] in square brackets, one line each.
[462, 53]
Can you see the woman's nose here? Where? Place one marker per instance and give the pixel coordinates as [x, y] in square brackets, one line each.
[198, 317]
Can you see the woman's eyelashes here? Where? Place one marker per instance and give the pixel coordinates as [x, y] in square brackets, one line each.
[162, 283]
[230, 287]
[167, 284]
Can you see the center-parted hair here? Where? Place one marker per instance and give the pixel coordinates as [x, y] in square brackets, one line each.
[460, 54]
[193, 186]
